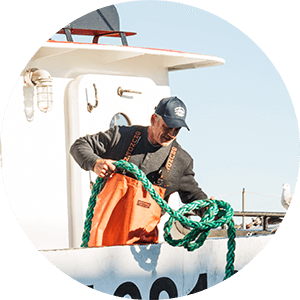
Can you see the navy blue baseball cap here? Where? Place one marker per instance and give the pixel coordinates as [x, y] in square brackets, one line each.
[173, 111]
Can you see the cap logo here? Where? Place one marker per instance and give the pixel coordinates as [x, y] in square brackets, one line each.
[179, 111]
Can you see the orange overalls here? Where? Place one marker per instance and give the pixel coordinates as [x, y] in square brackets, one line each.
[125, 213]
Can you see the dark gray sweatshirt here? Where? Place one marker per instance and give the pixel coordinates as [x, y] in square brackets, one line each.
[113, 144]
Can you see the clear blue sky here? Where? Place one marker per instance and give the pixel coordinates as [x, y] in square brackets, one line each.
[244, 131]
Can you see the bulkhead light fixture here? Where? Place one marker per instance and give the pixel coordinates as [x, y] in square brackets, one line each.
[42, 80]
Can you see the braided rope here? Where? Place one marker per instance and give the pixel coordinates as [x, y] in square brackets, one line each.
[217, 214]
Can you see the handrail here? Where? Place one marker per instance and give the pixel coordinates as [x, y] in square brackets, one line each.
[258, 214]
[264, 216]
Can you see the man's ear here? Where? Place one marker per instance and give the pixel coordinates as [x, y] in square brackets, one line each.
[153, 119]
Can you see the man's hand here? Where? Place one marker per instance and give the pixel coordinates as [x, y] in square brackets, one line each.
[200, 211]
[104, 167]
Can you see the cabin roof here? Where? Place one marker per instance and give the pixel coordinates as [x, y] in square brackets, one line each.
[170, 59]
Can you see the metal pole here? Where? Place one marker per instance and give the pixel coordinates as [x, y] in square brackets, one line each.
[244, 207]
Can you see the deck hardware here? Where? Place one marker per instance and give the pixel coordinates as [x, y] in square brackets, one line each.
[120, 91]
[90, 107]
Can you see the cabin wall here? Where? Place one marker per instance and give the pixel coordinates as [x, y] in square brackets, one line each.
[34, 167]
[35, 151]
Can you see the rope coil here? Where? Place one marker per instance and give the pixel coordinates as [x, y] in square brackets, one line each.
[218, 213]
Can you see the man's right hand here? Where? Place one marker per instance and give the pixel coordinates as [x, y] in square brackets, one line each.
[104, 167]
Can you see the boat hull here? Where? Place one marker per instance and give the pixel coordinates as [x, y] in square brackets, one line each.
[147, 271]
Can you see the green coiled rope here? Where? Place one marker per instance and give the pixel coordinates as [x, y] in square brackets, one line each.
[217, 214]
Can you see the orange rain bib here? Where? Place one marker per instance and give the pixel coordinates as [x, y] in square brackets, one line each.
[125, 214]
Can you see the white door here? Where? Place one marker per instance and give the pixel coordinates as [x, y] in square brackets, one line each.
[121, 100]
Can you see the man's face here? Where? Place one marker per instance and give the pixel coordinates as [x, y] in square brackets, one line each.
[162, 134]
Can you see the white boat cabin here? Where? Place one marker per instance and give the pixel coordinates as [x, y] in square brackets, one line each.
[68, 90]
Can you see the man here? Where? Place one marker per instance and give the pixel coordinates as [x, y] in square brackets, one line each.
[153, 149]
